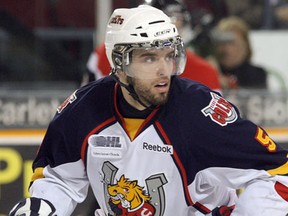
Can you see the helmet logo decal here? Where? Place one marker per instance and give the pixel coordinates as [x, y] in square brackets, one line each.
[163, 32]
[220, 110]
[117, 20]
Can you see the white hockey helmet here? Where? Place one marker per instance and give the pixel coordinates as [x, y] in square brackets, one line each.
[141, 27]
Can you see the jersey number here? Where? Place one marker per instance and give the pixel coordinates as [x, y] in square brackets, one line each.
[265, 140]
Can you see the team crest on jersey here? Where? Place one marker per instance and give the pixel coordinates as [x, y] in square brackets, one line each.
[127, 197]
[220, 110]
[69, 100]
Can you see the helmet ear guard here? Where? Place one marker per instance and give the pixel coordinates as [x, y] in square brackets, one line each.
[117, 59]
[121, 55]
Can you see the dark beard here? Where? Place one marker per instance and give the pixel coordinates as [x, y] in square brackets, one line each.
[145, 95]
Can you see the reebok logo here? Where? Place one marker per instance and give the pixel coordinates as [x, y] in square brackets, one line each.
[158, 148]
[104, 141]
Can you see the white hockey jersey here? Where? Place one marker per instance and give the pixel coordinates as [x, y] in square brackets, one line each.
[186, 158]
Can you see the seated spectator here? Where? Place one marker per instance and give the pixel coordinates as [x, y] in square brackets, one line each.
[233, 56]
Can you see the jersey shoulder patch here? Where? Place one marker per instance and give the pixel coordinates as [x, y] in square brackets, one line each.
[220, 110]
[68, 100]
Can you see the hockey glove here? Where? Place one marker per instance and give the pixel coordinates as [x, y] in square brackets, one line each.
[222, 211]
[33, 206]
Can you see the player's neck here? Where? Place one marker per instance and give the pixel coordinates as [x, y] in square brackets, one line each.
[131, 101]
[129, 111]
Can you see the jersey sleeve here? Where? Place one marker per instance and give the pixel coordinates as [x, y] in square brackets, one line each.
[237, 154]
[232, 141]
[59, 172]
[64, 186]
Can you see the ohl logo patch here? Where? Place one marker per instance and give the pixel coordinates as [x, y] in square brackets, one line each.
[220, 110]
[104, 141]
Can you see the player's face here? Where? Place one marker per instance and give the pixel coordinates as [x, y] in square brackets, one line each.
[152, 70]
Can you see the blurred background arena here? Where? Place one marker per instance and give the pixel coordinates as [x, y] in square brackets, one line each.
[45, 46]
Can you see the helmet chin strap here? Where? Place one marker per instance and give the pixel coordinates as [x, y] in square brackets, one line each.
[129, 88]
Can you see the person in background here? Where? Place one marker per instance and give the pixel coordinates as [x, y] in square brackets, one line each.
[280, 14]
[250, 11]
[196, 68]
[260, 14]
[205, 14]
[150, 142]
[233, 55]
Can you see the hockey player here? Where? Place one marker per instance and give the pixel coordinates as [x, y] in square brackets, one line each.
[152, 143]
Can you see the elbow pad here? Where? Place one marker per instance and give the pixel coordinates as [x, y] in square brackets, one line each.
[33, 206]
